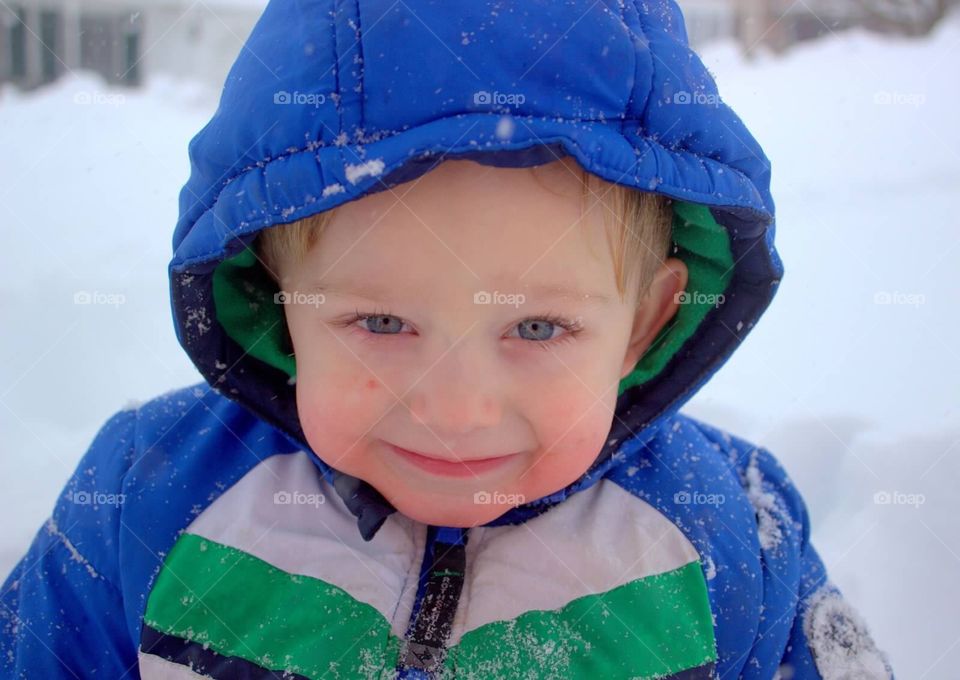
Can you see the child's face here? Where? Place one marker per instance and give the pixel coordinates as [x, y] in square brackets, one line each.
[440, 372]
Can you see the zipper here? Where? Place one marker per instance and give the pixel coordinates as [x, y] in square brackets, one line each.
[438, 593]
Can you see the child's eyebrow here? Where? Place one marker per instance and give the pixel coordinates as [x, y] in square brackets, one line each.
[535, 291]
[547, 291]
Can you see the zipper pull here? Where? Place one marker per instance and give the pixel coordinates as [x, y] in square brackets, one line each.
[425, 646]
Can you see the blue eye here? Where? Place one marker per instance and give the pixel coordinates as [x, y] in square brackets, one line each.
[536, 329]
[541, 331]
[382, 324]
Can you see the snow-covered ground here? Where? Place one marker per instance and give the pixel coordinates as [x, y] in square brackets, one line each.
[852, 378]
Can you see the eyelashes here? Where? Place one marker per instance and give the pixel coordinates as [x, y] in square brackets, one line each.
[572, 327]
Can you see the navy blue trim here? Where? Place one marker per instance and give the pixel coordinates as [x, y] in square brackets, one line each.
[205, 661]
[424, 571]
[192, 434]
[441, 580]
[704, 672]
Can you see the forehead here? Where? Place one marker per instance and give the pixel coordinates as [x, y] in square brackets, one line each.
[519, 226]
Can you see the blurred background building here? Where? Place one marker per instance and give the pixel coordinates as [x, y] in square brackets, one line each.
[124, 41]
[127, 40]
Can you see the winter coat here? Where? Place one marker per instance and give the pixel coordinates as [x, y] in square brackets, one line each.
[200, 535]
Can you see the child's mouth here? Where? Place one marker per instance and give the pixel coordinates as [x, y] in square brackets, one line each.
[452, 468]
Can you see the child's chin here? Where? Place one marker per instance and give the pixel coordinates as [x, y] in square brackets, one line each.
[448, 512]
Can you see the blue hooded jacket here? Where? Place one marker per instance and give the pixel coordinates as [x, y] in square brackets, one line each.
[162, 559]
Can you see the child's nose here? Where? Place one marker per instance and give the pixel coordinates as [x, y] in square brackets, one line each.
[454, 411]
[454, 402]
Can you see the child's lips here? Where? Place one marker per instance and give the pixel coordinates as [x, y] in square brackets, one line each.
[452, 468]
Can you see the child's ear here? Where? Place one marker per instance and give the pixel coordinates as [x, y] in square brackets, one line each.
[284, 283]
[655, 309]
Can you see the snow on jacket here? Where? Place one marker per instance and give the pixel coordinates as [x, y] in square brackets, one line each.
[201, 537]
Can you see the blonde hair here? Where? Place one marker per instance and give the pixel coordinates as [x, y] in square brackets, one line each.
[640, 240]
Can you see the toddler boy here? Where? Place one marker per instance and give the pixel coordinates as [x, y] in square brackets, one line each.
[449, 271]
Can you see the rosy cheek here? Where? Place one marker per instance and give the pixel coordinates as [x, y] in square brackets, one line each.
[570, 412]
[319, 400]
[341, 404]
[355, 393]
[578, 427]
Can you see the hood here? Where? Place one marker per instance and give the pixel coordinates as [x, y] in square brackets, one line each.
[329, 102]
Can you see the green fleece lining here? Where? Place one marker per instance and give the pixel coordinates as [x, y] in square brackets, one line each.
[704, 246]
[244, 297]
[246, 303]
